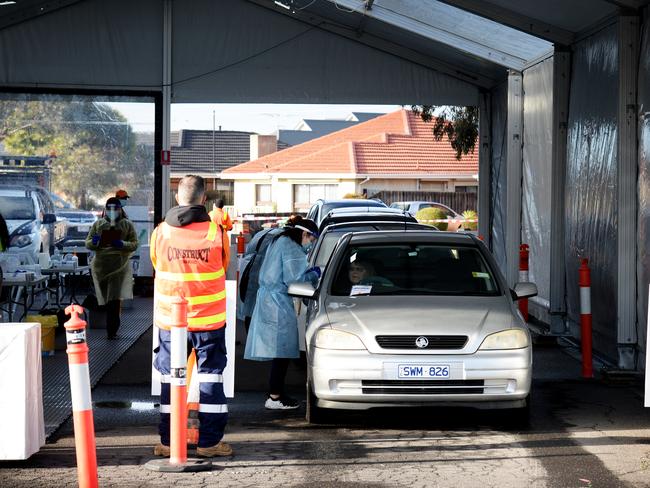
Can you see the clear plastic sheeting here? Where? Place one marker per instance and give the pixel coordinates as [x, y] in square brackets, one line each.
[498, 174]
[591, 183]
[536, 172]
[643, 251]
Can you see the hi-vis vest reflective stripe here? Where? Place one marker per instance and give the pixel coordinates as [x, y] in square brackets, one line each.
[189, 263]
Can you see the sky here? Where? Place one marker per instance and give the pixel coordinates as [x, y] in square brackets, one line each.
[252, 117]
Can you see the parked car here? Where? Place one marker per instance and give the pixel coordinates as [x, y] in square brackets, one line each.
[321, 208]
[361, 214]
[33, 226]
[78, 222]
[414, 207]
[431, 321]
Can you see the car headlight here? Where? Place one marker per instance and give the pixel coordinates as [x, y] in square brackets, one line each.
[20, 240]
[337, 339]
[507, 339]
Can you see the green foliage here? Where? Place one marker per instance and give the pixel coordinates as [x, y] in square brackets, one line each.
[432, 213]
[470, 215]
[459, 124]
[94, 145]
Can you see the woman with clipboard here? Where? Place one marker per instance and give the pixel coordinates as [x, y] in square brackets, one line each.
[114, 240]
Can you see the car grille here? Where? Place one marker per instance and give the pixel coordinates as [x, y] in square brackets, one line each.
[422, 387]
[408, 341]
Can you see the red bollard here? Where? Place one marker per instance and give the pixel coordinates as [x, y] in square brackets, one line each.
[82, 407]
[178, 461]
[241, 244]
[178, 373]
[585, 319]
[523, 277]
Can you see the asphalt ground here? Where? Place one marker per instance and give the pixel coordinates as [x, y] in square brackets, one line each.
[583, 433]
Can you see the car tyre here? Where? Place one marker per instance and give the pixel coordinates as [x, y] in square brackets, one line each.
[313, 413]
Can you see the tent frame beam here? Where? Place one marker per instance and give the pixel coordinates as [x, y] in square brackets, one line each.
[515, 20]
[436, 34]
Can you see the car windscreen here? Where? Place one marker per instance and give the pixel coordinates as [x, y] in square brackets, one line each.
[331, 237]
[328, 207]
[413, 269]
[17, 208]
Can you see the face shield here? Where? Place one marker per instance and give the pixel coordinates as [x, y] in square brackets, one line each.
[112, 212]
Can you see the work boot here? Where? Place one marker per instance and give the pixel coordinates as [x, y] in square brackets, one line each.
[161, 450]
[219, 449]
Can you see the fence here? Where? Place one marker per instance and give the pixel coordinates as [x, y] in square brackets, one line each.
[457, 201]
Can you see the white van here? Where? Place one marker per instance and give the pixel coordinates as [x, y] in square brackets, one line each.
[32, 224]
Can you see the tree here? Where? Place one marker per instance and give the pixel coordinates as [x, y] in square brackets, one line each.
[93, 143]
[459, 124]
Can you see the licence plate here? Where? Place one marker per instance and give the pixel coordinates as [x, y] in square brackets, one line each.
[83, 228]
[423, 371]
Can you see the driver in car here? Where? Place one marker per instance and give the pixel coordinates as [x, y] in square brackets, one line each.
[362, 272]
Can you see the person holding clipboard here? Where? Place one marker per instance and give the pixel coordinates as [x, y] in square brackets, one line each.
[114, 241]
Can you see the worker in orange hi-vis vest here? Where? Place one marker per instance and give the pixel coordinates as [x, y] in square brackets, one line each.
[220, 217]
[186, 252]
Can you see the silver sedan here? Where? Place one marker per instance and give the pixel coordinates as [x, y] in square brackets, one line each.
[412, 318]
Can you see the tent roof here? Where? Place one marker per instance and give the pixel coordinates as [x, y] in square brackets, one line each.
[369, 51]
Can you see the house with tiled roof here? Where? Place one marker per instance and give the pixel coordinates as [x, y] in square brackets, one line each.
[395, 151]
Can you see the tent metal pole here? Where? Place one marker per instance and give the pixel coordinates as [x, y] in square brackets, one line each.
[628, 47]
[560, 117]
[484, 164]
[514, 173]
[166, 105]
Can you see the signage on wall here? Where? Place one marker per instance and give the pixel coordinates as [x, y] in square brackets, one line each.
[165, 157]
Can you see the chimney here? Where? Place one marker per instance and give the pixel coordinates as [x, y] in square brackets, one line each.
[263, 145]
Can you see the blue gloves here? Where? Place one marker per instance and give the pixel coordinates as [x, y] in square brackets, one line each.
[117, 244]
[315, 269]
[96, 238]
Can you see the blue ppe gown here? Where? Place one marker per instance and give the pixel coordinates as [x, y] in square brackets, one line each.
[274, 328]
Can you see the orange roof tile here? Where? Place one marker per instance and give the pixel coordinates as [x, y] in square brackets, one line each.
[396, 143]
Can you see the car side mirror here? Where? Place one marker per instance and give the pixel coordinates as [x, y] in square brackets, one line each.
[49, 218]
[525, 290]
[302, 290]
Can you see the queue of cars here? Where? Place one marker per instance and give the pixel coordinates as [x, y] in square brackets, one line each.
[405, 315]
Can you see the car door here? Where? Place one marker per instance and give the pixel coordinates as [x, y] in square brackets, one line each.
[46, 231]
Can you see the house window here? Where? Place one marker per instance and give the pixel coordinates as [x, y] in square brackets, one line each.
[263, 195]
[305, 195]
[466, 189]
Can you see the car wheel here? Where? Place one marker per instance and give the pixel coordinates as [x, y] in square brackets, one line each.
[314, 414]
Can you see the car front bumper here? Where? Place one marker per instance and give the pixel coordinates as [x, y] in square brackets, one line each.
[360, 380]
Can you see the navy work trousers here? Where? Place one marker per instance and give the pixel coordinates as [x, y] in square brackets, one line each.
[210, 347]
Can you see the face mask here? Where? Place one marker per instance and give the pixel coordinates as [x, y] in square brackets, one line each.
[123, 203]
[112, 214]
[308, 247]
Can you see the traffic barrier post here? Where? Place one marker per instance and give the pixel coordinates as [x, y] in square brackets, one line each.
[178, 461]
[82, 408]
[523, 277]
[585, 319]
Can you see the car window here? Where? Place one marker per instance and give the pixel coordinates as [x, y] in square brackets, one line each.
[17, 208]
[401, 206]
[328, 207]
[413, 269]
[331, 237]
[447, 211]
